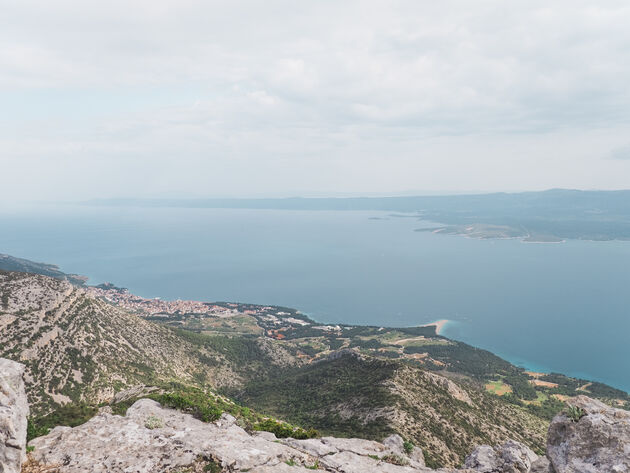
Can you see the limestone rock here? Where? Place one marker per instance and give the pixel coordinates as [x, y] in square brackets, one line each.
[397, 445]
[510, 457]
[153, 439]
[541, 465]
[453, 389]
[350, 462]
[483, 459]
[13, 416]
[598, 442]
[133, 393]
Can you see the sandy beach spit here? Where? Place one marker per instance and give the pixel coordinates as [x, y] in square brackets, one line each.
[439, 325]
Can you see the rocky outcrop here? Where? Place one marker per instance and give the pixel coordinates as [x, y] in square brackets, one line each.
[151, 439]
[510, 457]
[452, 388]
[13, 416]
[592, 438]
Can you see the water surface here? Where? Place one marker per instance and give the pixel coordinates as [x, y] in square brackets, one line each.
[557, 307]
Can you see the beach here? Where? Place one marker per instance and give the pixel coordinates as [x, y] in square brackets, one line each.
[439, 325]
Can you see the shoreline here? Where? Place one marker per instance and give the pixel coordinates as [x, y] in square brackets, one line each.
[439, 325]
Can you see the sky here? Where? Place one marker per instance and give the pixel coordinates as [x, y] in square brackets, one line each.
[204, 98]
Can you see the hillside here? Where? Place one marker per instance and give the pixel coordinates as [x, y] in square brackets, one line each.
[78, 348]
[374, 398]
[82, 345]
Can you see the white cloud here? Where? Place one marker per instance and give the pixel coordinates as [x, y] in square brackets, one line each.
[333, 96]
[622, 152]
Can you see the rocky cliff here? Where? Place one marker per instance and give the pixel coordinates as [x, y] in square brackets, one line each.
[590, 437]
[13, 414]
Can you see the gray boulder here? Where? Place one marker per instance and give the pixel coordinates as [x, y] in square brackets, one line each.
[13, 416]
[510, 457]
[397, 445]
[598, 442]
[541, 465]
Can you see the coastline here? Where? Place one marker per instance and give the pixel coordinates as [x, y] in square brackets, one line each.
[439, 325]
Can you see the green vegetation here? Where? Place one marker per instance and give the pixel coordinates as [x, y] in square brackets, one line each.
[575, 413]
[395, 459]
[408, 446]
[546, 409]
[70, 415]
[212, 467]
[307, 396]
[200, 405]
[153, 422]
[284, 430]
[206, 406]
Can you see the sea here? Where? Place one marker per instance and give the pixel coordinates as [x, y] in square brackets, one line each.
[561, 307]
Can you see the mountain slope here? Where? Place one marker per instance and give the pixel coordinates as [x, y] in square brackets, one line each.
[78, 348]
[373, 398]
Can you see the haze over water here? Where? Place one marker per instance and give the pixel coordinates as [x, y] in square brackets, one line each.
[555, 307]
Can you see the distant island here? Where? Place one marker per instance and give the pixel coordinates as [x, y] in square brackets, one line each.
[484, 231]
[538, 217]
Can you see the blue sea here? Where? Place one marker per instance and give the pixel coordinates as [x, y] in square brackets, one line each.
[552, 307]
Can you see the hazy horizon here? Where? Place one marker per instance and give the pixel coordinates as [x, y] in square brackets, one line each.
[194, 98]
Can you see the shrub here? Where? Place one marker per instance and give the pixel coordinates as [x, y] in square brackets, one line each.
[283, 430]
[153, 422]
[395, 459]
[408, 446]
[575, 413]
[200, 405]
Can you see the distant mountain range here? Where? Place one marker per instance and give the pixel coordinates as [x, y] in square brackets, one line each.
[546, 216]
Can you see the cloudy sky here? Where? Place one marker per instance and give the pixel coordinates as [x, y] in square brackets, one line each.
[240, 98]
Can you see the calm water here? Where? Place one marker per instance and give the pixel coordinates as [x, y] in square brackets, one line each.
[561, 307]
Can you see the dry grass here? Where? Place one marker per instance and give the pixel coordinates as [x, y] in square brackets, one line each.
[499, 388]
[543, 384]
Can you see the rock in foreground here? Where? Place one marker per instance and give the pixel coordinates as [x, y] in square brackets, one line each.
[595, 440]
[152, 439]
[511, 457]
[13, 415]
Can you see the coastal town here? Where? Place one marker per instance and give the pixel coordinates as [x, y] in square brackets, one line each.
[157, 307]
[272, 320]
[311, 341]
